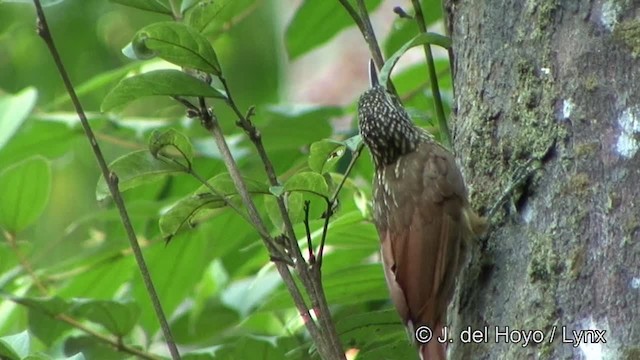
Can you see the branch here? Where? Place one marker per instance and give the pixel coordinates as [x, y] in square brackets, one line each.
[310, 279]
[431, 68]
[110, 178]
[210, 122]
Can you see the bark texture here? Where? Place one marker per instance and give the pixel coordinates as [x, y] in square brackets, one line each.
[556, 81]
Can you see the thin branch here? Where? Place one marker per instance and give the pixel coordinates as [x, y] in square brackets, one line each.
[370, 35]
[312, 258]
[364, 24]
[310, 279]
[431, 67]
[111, 180]
[332, 202]
[210, 122]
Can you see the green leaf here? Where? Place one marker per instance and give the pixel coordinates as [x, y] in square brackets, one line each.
[15, 346]
[41, 313]
[118, 317]
[135, 169]
[291, 127]
[100, 81]
[150, 5]
[324, 154]
[89, 347]
[276, 190]
[353, 142]
[157, 82]
[421, 39]
[160, 141]
[210, 16]
[404, 29]
[315, 22]
[308, 182]
[371, 327]
[24, 190]
[195, 208]
[178, 44]
[14, 110]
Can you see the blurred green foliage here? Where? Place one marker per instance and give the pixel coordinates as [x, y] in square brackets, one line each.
[64, 252]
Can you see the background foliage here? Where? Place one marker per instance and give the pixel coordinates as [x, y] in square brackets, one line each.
[64, 254]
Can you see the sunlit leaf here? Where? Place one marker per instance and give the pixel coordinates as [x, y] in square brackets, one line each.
[14, 110]
[15, 347]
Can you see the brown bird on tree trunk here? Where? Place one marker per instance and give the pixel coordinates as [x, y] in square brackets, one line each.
[421, 213]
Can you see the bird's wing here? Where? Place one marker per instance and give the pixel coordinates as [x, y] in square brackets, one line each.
[421, 247]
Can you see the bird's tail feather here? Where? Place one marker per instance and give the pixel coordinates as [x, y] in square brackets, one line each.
[434, 350]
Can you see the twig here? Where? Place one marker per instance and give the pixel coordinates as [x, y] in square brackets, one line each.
[310, 279]
[435, 89]
[312, 258]
[210, 123]
[332, 202]
[111, 180]
[364, 24]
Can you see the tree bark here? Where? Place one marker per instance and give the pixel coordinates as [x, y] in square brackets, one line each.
[554, 81]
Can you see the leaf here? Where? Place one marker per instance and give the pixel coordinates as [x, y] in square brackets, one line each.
[41, 313]
[150, 5]
[211, 16]
[308, 182]
[404, 29]
[178, 44]
[157, 82]
[118, 317]
[291, 127]
[89, 347]
[421, 39]
[191, 209]
[371, 327]
[353, 142]
[135, 169]
[158, 141]
[15, 347]
[102, 80]
[14, 110]
[24, 190]
[324, 154]
[315, 22]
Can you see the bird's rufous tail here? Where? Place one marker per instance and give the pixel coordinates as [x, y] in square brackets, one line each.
[434, 350]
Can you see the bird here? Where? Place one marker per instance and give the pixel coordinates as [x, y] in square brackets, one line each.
[421, 212]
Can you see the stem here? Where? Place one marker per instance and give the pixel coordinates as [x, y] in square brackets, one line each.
[431, 68]
[310, 279]
[111, 180]
[332, 202]
[211, 124]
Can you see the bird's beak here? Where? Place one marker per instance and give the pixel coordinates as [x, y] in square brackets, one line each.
[373, 74]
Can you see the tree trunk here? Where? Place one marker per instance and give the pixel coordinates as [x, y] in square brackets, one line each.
[555, 82]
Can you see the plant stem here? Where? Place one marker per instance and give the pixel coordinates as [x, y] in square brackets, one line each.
[310, 279]
[111, 180]
[435, 89]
